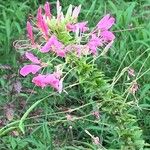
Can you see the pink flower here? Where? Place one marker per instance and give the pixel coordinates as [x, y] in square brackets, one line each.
[44, 28]
[78, 26]
[41, 23]
[52, 80]
[107, 36]
[52, 42]
[29, 69]
[94, 43]
[54, 45]
[39, 17]
[39, 80]
[30, 33]
[49, 79]
[106, 22]
[47, 47]
[47, 9]
[61, 52]
[32, 58]
[82, 26]
[76, 12]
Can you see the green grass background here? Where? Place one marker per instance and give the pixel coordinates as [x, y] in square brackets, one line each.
[132, 30]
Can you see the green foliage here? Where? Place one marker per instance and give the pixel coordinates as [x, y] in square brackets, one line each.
[13, 16]
[123, 124]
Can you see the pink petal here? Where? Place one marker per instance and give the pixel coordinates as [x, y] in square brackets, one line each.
[39, 80]
[44, 28]
[32, 58]
[29, 69]
[41, 23]
[39, 17]
[47, 9]
[46, 48]
[82, 26]
[107, 36]
[76, 12]
[106, 22]
[61, 53]
[30, 33]
[94, 43]
[78, 26]
[52, 81]
[53, 44]
[93, 50]
[96, 40]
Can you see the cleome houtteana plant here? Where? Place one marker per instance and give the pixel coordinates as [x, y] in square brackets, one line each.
[63, 56]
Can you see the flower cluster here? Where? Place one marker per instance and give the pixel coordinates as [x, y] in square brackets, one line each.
[61, 35]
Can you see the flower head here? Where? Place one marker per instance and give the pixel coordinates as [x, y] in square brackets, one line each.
[55, 33]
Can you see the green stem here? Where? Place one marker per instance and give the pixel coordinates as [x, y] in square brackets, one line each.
[8, 125]
[7, 130]
[21, 125]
